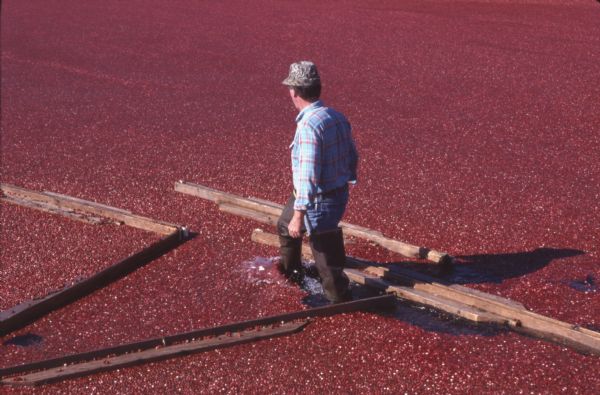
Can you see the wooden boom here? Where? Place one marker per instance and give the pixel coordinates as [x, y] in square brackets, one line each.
[82, 209]
[268, 212]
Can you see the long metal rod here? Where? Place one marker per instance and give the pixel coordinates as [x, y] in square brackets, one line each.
[150, 355]
[377, 302]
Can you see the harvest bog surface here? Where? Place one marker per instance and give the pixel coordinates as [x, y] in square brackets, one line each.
[42, 252]
[478, 128]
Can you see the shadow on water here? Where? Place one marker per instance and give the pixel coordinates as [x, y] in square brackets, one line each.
[495, 268]
[483, 268]
[431, 320]
[26, 340]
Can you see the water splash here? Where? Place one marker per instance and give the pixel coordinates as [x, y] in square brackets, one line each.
[262, 270]
[312, 285]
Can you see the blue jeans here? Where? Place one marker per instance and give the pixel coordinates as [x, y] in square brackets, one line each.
[326, 242]
[326, 212]
[322, 216]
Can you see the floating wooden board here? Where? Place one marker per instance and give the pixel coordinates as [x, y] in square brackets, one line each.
[462, 301]
[267, 212]
[377, 302]
[523, 319]
[151, 355]
[63, 204]
[424, 298]
[71, 214]
[95, 213]
[269, 219]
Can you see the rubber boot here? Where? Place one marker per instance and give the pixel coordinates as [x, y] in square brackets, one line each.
[330, 258]
[291, 258]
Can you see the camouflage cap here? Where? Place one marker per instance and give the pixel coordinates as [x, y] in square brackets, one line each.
[303, 73]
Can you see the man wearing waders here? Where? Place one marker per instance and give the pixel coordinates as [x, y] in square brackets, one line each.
[324, 161]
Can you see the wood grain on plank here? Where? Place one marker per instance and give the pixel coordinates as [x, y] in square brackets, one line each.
[424, 298]
[66, 204]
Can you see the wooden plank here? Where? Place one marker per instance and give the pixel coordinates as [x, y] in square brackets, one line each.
[151, 355]
[26, 312]
[409, 277]
[424, 298]
[273, 210]
[71, 214]
[248, 213]
[404, 276]
[66, 203]
[513, 310]
[583, 340]
[456, 292]
[411, 294]
[377, 302]
[136, 221]
[216, 196]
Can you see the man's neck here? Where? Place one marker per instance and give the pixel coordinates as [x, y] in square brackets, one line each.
[302, 104]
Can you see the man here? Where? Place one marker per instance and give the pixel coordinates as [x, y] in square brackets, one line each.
[324, 161]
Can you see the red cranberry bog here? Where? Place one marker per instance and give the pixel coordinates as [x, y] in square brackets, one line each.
[477, 125]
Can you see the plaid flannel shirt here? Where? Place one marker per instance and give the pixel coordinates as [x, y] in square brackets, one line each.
[324, 156]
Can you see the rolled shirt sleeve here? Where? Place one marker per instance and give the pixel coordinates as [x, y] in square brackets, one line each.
[307, 171]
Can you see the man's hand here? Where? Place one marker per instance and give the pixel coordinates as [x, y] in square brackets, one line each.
[295, 226]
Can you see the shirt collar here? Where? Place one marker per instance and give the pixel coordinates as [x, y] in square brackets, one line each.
[310, 107]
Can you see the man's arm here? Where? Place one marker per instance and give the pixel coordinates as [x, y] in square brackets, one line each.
[308, 172]
[306, 175]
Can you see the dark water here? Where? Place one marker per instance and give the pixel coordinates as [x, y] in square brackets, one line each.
[26, 340]
[587, 285]
[432, 320]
